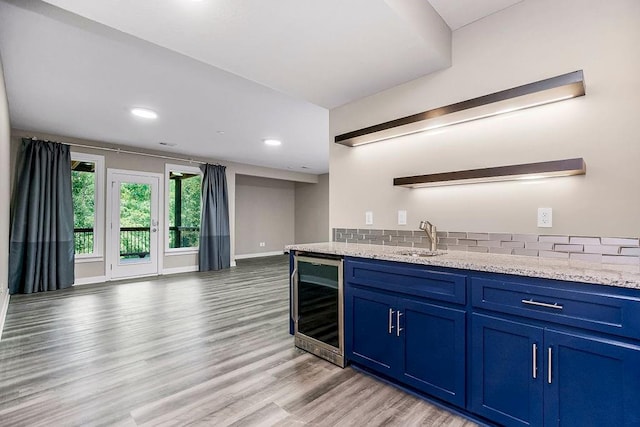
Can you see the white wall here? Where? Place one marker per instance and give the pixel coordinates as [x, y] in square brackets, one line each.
[265, 212]
[312, 211]
[532, 40]
[5, 195]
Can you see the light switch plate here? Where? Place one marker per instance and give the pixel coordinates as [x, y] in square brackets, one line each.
[402, 217]
[368, 218]
[545, 217]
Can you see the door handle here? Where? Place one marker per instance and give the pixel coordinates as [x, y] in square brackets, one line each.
[398, 328]
[550, 370]
[294, 296]
[391, 320]
[535, 361]
[153, 230]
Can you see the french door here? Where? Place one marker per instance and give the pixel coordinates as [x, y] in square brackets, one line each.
[134, 228]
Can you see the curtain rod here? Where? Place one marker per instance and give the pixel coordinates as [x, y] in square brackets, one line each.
[119, 150]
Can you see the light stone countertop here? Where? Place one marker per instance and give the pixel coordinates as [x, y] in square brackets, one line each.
[627, 276]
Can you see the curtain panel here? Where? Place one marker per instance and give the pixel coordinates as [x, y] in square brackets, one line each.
[41, 251]
[215, 244]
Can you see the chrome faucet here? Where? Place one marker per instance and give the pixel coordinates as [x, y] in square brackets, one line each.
[430, 229]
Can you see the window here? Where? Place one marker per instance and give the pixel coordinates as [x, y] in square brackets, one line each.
[183, 207]
[87, 177]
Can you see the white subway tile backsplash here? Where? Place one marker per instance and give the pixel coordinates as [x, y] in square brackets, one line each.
[584, 240]
[553, 239]
[512, 244]
[448, 240]
[525, 237]
[505, 251]
[568, 248]
[630, 251]
[502, 236]
[617, 250]
[541, 246]
[612, 259]
[457, 234]
[601, 249]
[551, 254]
[585, 257]
[467, 242]
[490, 243]
[478, 236]
[620, 241]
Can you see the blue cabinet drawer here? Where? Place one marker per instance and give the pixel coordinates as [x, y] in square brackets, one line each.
[602, 310]
[407, 279]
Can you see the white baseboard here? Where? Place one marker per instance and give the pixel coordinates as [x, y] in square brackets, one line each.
[259, 254]
[233, 264]
[4, 306]
[89, 280]
[176, 270]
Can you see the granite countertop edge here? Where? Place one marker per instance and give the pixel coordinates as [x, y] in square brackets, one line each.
[626, 276]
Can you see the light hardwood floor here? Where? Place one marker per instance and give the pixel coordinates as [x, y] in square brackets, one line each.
[193, 349]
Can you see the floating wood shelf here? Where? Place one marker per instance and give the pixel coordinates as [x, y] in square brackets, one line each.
[540, 170]
[542, 92]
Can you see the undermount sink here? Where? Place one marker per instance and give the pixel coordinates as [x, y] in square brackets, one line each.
[414, 253]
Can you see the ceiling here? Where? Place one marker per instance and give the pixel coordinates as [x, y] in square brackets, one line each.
[223, 75]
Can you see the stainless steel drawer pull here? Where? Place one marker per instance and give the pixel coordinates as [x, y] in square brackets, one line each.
[391, 319]
[542, 304]
[549, 373]
[535, 361]
[398, 328]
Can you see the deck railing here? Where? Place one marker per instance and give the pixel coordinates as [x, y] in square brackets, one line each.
[134, 241]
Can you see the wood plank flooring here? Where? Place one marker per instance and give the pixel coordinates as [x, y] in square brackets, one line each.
[208, 349]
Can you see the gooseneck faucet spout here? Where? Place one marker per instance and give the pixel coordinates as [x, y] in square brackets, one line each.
[430, 229]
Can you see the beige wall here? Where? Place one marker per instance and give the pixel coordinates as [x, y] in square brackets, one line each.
[312, 211]
[265, 211]
[530, 41]
[156, 165]
[4, 194]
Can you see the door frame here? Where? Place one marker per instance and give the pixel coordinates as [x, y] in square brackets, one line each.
[109, 221]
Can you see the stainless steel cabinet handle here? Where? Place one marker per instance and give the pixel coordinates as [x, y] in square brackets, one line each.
[542, 304]
[294, 296]
[391, 319]
[549, 373]
[535, 361]
[398, 328]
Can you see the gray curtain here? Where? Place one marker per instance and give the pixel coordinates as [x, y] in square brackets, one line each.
[41, 253]
[215, 246]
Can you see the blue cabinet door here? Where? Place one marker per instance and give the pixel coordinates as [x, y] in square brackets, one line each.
[370, 333]
[433, 339]
[593, 382]
[506, 371]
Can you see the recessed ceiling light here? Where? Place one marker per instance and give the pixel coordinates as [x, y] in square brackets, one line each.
[220, 132]
[272, 142]
[144, 113]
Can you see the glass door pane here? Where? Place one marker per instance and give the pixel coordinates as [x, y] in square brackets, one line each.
[135, 223]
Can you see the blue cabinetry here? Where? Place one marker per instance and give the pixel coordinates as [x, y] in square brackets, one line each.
[370, 334]
[504, 349]
[506, 371]
[393, 329]
[540, 359]
[590, 381]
